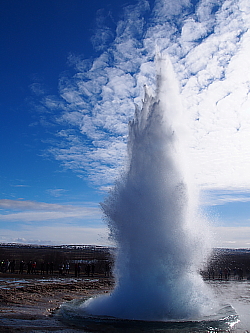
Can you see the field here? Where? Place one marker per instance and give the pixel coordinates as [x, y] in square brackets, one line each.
[29, 301]
[98, 260]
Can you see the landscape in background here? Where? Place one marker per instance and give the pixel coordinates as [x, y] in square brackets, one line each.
[93, 260]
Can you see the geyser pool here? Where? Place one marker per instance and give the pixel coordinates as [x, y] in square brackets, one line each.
[152, 215]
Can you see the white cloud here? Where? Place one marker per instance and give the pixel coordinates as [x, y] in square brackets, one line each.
[221, 133]
[20, 185]
[209, 46]
[56, 192]
[31, 211]
[232, 237]
[33, 222]
[35, 216]
[57, 234]
[165, 9]
[220, 197]
[37, 89]
[34, 205]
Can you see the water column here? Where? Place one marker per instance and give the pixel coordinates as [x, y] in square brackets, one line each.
[152, 215]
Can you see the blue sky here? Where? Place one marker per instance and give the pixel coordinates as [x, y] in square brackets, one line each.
[71, 72]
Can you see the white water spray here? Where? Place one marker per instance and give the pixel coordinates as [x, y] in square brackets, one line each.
[152, 216]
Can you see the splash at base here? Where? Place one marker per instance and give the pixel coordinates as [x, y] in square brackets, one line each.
[152, 215]
[71, 313]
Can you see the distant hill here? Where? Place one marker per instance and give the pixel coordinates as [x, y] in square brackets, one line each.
[57, 254]
[220, 258]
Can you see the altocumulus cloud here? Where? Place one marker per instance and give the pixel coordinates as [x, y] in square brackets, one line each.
[209, 45]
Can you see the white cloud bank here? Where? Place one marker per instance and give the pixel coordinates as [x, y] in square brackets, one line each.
[28, 211]
[214, 198]
[53, 224]
[57, 234]
[209, 45]
[232, 237]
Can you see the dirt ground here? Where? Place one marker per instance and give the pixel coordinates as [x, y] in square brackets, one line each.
[30, 307]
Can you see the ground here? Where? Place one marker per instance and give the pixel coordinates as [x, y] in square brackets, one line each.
[31, 306]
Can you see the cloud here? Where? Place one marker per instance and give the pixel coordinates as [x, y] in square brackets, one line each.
[220, 197]
[32, 205]
[31, 211]
[20, 185]
[32, 222]
[209, 47]
[37, 88]
[43, 216]
[232, 237]
[57, 234]
[57, 192]
[221, 132]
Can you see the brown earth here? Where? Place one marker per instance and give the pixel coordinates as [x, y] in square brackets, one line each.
[31, 307]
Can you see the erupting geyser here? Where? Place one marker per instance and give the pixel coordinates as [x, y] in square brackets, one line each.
[152, 216]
